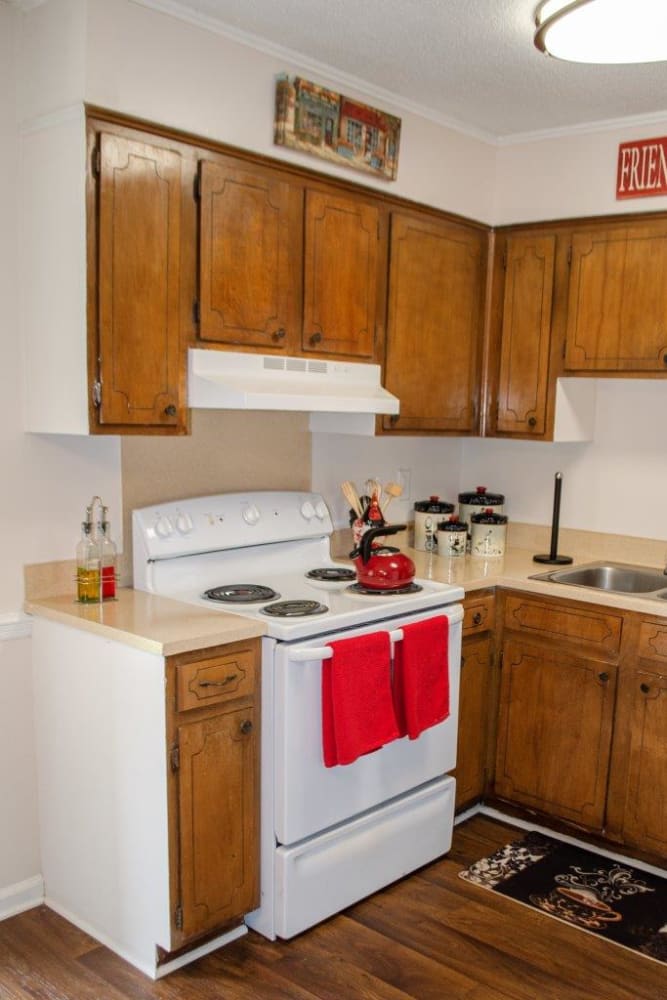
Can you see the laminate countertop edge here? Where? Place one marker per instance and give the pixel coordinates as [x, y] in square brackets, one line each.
[154, 624]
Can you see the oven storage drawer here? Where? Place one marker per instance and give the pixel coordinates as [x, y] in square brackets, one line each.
[323, 875]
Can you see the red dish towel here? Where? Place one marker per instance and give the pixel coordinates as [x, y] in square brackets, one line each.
[357, 704]
[421, 676]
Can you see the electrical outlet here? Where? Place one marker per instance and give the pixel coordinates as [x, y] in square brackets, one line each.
[405, 480]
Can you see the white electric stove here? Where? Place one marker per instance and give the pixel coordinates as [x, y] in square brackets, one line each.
[330, 835]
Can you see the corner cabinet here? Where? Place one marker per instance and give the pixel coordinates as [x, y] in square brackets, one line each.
[435, 324]
[528, 264]
[617, 308]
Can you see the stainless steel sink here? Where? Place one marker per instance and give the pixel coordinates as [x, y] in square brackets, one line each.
[612, 577]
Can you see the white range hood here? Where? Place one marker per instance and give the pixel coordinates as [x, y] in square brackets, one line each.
[229, 380]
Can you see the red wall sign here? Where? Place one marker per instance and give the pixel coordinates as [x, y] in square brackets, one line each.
[642, 168]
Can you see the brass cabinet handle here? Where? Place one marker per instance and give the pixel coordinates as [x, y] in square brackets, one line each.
[246, 726]
[664, 359]
[170, 411]
[218, 684]
[532, 421]
[477, 618]
[604, 677]
[279, 334]
[644, 688]
[315, 338]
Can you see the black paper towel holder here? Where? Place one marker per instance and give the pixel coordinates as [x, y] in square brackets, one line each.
[552, 557]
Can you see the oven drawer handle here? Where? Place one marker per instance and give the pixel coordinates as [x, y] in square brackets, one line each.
[326, 652]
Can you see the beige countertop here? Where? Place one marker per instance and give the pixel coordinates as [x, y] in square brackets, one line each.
[154, 624]
[164, 626]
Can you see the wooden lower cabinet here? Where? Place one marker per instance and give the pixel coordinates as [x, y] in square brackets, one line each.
[476, 700]
[214, 787]
[554, 731]
[638, 786]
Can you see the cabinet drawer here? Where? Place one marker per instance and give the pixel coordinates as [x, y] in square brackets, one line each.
[216, 679]
[586, 627]
[479, 614]
[653, 641]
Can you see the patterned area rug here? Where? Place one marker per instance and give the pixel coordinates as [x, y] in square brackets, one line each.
[623, 904]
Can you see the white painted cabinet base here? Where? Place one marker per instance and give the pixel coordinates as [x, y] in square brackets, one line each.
[412, 830]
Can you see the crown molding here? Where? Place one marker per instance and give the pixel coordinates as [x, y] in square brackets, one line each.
[584, 128]
[336, 76]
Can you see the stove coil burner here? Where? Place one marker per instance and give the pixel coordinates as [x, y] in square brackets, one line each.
[294, 609]
[410, 588]
[332, 574]
[241, 593]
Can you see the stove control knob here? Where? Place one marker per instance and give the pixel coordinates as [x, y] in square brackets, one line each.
[184, 523]
[251, 514]
[307, 510]
[321, 509]
[163, 527]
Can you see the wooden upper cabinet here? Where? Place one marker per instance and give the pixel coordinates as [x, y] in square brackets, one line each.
[138, 283]
[340, 275]
[244, 267]
[434, 324]
[526, 334]
[617, 307]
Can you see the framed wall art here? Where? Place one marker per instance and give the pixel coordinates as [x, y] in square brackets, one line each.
[334, 127]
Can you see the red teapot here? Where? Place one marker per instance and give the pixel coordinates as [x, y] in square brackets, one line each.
[382, 567]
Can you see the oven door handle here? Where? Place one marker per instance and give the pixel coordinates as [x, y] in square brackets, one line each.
[326, 652]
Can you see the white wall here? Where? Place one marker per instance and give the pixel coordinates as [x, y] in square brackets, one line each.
[616, 483]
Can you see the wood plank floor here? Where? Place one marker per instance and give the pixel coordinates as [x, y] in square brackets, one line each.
[431, 936]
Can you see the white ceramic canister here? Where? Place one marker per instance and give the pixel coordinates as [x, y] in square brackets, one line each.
[488, 533]
[452, 537]
[475, 501]
[428, 514]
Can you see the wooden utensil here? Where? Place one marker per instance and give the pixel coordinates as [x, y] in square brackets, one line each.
[391, 490]
[349, 491]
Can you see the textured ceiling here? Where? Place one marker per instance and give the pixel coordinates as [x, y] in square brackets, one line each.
[465, 62]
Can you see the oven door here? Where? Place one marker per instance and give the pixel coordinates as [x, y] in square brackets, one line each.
[309, 797]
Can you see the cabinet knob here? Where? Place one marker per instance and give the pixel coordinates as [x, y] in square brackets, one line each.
[279, 334]
[604, 677]
[170, 411]
[246, 727]
[315, 338]
[477, 618]
[664, 359]
[645, 688]
[532, 421]
[394, 418]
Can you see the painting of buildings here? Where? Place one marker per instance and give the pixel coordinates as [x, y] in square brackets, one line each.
[315, 120]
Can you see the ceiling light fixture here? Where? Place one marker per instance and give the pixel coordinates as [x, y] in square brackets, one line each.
[603, 31]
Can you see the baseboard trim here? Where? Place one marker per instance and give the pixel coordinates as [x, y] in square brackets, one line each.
[21, 896]
[584, 844]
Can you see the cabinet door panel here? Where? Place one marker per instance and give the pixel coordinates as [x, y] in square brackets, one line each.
[526, 334]
[473, 734]
[340, 275]
[244, 257]
[218, 818]
[139, 282]
[617, 309]
[645, 816]
[554, 736]
[434, 324]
